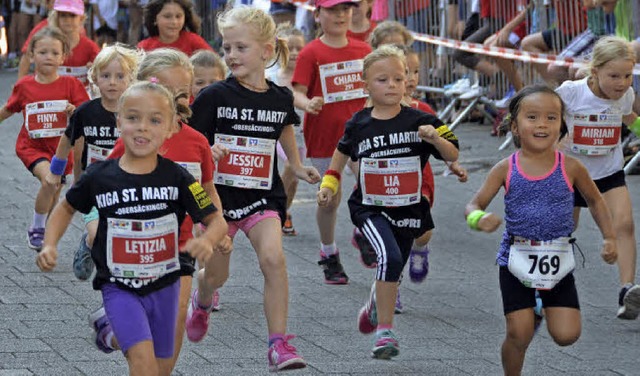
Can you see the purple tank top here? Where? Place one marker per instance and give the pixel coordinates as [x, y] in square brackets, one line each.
[536, 207]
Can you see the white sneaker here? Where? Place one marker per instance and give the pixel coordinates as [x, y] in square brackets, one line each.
[474, 92]
[459, 87]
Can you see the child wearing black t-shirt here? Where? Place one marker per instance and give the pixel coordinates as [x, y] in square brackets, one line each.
[141, 198]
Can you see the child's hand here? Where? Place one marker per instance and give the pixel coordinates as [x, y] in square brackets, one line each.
[47, 259]
[308, 174]
[315, 105]
[428, 133]
[609, 253]
[324, 196]
[219, 152]
[53, 180]
[199, 248]
[69, 109]
[459, 171]
[489, 222]
[225, 246]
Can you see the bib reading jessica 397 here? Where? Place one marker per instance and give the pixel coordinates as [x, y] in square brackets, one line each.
[390, 181]
[249, 163]
[541, 264]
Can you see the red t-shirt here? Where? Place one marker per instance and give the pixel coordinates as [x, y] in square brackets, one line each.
[364, 36]
[28, 90]
[185, 147]
[406, 8]
[322, 131]
[187, 42]
[504, 10]
[40, 25]
[428, 188]
[571, 16]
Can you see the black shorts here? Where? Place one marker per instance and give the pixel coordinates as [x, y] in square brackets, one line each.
[516, 296]
[63, 178]
[605, 184]
[187, 264]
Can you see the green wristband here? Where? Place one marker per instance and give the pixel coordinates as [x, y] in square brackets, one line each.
[635, 127]
[474, 217]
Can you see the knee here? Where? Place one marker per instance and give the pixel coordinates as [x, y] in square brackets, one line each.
[519, 338]
[565, 339]
[624, 225]
[274, 261]
[216, 280]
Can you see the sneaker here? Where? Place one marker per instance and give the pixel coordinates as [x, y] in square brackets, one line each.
[474, 92]
[283, 356]
[539, 314]
[82, 262]
[197, 323]
[215, 306]
[418, 265]
[35, 236]
[12, 64]
[504, 102]
[368, 315]
[287, 229]
[368, 255]
[629, 302]
[398, 308]
[458, 87]
[100, 324]
[333, 272]
[386, 346]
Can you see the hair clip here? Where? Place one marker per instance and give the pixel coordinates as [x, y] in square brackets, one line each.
[507, 118]
[154, 80]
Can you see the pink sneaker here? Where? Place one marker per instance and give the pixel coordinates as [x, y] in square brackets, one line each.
[368, 315]
[197, 323]
[283, 356]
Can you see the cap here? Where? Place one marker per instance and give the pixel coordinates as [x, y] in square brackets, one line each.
[330, 3]
[71, 6]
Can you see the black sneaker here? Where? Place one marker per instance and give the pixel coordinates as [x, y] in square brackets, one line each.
[368, 255]
[629, 302]
[333, 272]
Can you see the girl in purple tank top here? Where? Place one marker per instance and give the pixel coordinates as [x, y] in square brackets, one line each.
[536, 252]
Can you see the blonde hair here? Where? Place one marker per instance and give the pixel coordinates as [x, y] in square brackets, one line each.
[208, 59]
[286, 30]
[126, 56]
[53, 33]
[386, 51]
[611, 48]
[263, 26]
[52, 18]
[161, 59]
[387, 28]
[146, 86]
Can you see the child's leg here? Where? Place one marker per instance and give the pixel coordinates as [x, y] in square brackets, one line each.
[141, 359]
[562, 311]
[619, 204]
[266, 239]
[212, 277]
[92, 229]
[47, 192]
[183, 304]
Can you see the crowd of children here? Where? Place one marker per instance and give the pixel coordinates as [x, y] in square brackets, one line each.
[179, 149]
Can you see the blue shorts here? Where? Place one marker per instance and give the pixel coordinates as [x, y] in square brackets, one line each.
[136, 318]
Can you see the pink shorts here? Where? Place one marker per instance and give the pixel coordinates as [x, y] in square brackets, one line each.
[247, 224]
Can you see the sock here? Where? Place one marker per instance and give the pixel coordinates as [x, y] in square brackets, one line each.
[275, 337]
[108, 338]
[382, 327]
[329, 249]
[39, 220]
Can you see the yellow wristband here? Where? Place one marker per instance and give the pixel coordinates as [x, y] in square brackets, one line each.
[331, 182]
[474, 217]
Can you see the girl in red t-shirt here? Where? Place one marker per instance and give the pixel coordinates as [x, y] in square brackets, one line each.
[361, 24]
[47, 100]
[172, 24]
[69, 17]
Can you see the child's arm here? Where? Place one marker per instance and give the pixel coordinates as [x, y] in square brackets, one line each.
[330, 182]
[633, 122]
[459, 171]
[300, 100]
[288, 142]
[447, 150]
[201, 248]
[503, 35]
[62, 152]
[4, 114]
[56, 226]
[474, 211]
[597, 207]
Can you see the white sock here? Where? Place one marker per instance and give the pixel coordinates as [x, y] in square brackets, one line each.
[39, 220]
[329, 249]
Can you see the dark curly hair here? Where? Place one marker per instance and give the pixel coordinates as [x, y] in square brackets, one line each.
[514, 109]
[192, 21]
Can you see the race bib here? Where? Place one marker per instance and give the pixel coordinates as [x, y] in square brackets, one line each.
[96, 154]
[390, 181]
[142, 248]
[342, 81]
[249, 163]
[595, 134]
[194, 169]
[46, 119]
[541, 264]
[78, 72]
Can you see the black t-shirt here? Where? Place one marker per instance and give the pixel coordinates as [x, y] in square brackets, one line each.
[137, 203]
[96, 125]
[367, 137]
[228, 108]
